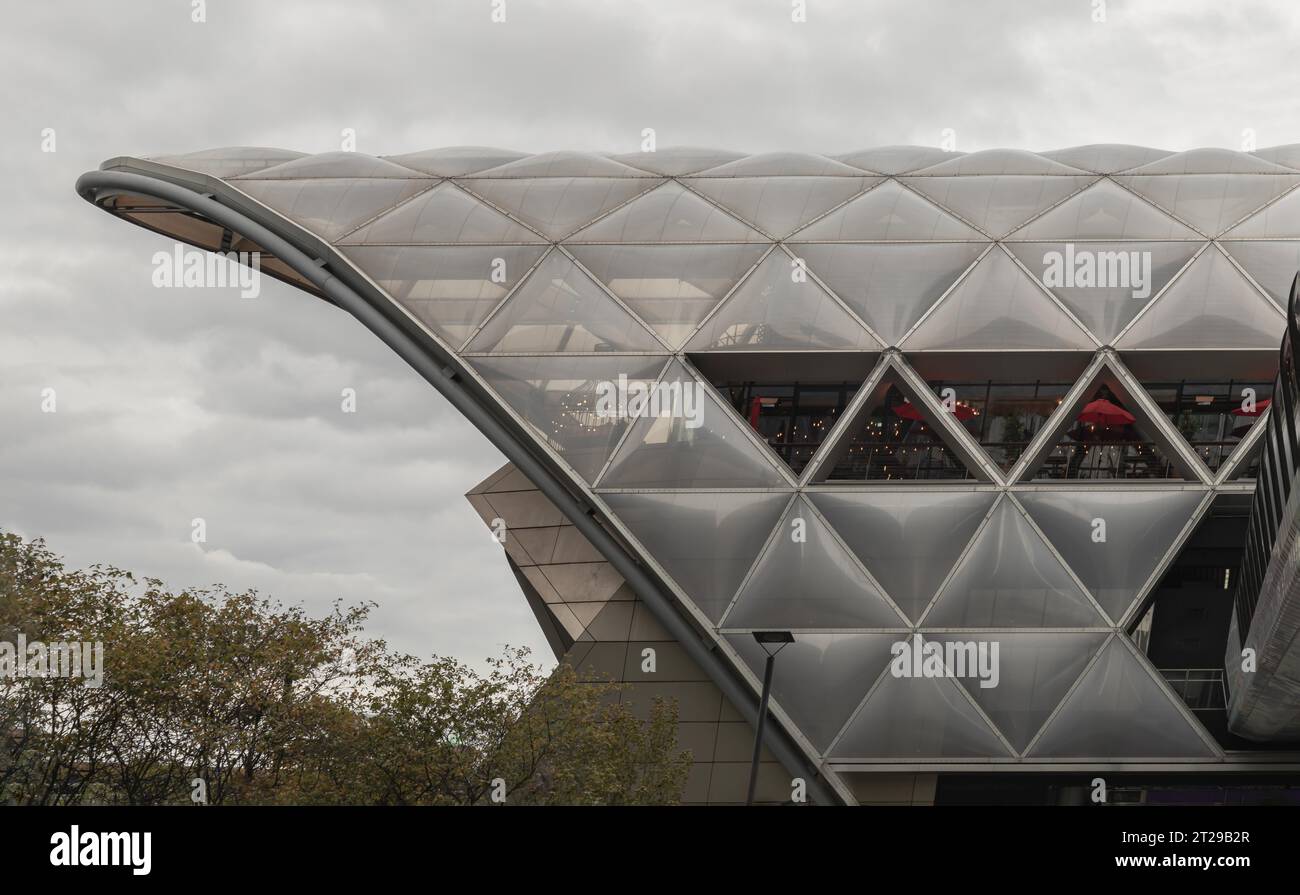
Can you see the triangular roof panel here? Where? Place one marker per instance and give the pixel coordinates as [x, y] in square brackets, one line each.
[998, 203]
[780, 205]
[770, 310]
[997, 307]
[890, 213]
[557, 206]
[560, 309]
[807, 579]
[1010, 579]
[670, 213]
[332, 207]
[445, 214]
[1104, 211]
[1210, 202]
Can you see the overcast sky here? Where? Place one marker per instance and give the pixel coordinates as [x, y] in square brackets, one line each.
[194, 403]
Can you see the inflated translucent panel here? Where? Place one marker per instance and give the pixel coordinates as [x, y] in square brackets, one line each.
[670, 213]
[676, 160]
[896, 159]
[1210, 202]
[1104, 284]
[456, 161]
[807, 579]
[1210, 160]
[699, 443]
[557, 206]
[997, 307]
[1280, 220]
[889, 286]
[998, 204]
[1034, 673]
[330, 208]
[562, 398]
[1104, 211]
[1272, 265]
[779, 205]
[887, 213]
[333, 164]
[230, 161]
[1010, 579]
[560, 308]
[820, 678]
[1106, 158]
[671, 287]
[445, 214]
[908, 540]
[562, 164]
[1140, 527]
[999, 161]
[1287, 156]
[1119, 711]
[779, 164]
[706, 540]
[450, 288]
[918, 717]
[1210, 306]
[770, 310]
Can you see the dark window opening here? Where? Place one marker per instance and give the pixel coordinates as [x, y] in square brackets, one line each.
[891, 441]
[1213, 416]
[1002, 416]
[793, 418]
[1105, 442]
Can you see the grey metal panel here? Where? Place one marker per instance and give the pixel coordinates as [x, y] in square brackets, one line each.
[908, 540]
[821, 677]
[918, 717]
[997, 204]
[557, 206]
[1035, 671]
[1118, 710]
[887, 213]
[889, 286]
[771, 310]
[706, 541]
[1104, 211]
[671, 287]
[449, 288]
[807, 579]
[1122, 277]
[670, 213]
[445, 214]
[1211, 305]
[1139, 527]
[330, 208]
[779, 205]
[1010, 579]
[560, 309]
[997, 307]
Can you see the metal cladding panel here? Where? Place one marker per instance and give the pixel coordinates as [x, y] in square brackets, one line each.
[543, 276]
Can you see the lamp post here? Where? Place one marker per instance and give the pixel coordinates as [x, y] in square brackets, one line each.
[772, 643]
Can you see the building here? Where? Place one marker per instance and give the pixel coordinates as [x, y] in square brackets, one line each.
[1002, 403]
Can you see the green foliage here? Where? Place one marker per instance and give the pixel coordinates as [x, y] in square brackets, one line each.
[270, 706]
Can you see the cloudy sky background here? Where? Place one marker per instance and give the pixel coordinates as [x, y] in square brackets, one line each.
[184, 403]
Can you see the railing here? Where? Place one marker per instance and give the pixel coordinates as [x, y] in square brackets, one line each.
[1279, 462]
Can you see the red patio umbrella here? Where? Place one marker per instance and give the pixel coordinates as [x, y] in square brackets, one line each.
[1260, 407]
[1105, 413]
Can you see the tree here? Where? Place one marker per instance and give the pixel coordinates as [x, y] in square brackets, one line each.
[265, 704]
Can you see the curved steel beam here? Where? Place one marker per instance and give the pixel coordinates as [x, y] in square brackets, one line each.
[327, 272]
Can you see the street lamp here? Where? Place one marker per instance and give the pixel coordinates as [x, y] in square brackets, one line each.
[772, 643]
